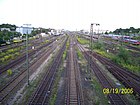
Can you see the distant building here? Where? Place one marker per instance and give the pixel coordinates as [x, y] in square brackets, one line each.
[24, 30]
[43, 34]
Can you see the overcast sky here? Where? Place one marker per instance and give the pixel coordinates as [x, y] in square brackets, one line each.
[71, 14]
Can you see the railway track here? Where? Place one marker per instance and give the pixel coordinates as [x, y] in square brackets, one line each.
[21, 59]
[74, 93]
[41, 95]
[116, 43]
[14, 45]
[128, 78]
[133, 48]
[11, 85]
[115, 99]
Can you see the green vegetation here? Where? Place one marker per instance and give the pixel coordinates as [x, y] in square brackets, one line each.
[10, 54]
[82, 40]
[80, 55]
[98, 45]
[123, 58]
[11, 27]
[29, 91]
[41, 30]
[64, 55]
[55, 86]
[46, 41]
[65, 52]
[67, 44]
[8, 32]
[127, 31]
[8, 35]
[100, 98]
[104, 53]
[9, 72]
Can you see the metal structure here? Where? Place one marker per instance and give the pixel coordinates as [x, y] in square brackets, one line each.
[91, 42]
[27, 59]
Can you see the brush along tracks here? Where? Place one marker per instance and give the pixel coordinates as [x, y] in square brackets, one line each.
[14, 83]
[74, 93]
[41, 95]
[128, 78]
[21, 59]
[115, 99]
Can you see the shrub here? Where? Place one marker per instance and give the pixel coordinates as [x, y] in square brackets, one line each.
[9, 72]
[98, 46]
[83, 41]
[124, 55]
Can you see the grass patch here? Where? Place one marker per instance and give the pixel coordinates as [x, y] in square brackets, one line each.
[123, 58]
[100, 99]
[67, 44]
[104, 53]
[53, 96]
[29, 90]
[64, 55]
[80, 55]
[82, 40]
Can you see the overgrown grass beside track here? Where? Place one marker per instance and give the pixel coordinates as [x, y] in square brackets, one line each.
[82, 40]
[10, 54]
[99, 97]
[123, 57]
[29, 90]
[53, 96]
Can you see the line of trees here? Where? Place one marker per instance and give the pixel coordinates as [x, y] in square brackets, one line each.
[41, 30]
[11, 27]
[6, 35]
[127, 31]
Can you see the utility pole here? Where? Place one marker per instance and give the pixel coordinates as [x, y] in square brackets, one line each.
[98, 33]
[90, 48]
[27, 59]
[91, 43]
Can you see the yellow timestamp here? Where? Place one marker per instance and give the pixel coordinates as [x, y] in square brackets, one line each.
[118, 90]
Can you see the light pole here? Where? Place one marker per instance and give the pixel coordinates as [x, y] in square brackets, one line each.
[27, 59]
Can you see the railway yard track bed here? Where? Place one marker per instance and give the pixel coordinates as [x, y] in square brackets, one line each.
[65, 72]
[22, 77]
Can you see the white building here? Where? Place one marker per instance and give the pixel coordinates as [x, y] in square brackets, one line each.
[43, 34]
[24, 30]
